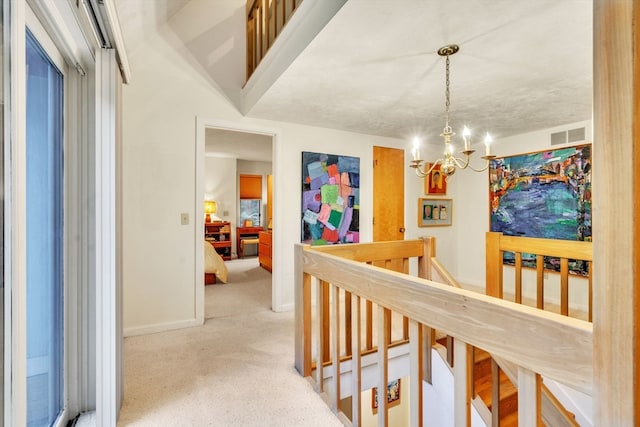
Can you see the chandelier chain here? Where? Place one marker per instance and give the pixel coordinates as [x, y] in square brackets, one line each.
[447, 100]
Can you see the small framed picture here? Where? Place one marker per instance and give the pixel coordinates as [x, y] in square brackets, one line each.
[435, 182]
[434, 212]
[393, 395]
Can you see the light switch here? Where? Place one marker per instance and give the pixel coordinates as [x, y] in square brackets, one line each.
[184, 218]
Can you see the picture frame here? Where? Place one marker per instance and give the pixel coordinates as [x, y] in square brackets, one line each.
[433, 212]
[393, 395]
[330, 211]
[543, 194]
[435, 182]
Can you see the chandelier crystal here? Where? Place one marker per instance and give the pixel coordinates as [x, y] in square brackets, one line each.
[449, 162]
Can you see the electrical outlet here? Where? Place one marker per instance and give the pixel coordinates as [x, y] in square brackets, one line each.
[184, 218]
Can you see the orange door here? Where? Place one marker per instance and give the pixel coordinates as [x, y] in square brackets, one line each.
[388, 194]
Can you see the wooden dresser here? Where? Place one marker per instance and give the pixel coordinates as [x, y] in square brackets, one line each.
[264, 250]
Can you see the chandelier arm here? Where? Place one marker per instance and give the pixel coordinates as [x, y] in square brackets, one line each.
[462, 164]
[422, 173]
[486, 166]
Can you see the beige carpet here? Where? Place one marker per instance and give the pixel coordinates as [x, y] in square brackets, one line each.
[235, 370]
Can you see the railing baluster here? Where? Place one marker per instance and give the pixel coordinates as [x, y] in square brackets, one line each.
[320, 343]
[384, 337]
[564, 286]
[369, 325]
[540, 282]
[495, 394]
[326, 321]
[461, 398]
[518, 277]
[347, 322]
[528, 398]
[494, 265]
[416, 377]
[590, 267]
[356, 363]
[307, 322]
[335, 356]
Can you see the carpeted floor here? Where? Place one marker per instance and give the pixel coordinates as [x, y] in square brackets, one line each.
[235, 370]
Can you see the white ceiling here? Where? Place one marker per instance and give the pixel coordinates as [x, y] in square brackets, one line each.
[522, 65]
[238, 145]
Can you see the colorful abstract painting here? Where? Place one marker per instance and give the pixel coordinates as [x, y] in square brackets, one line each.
[330, 199]
[545, 194]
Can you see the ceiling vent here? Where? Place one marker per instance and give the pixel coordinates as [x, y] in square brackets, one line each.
[568, 136]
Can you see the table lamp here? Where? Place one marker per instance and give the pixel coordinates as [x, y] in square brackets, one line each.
[210, 207]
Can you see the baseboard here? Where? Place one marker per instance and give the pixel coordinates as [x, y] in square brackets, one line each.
[284, 308]
[160, 327]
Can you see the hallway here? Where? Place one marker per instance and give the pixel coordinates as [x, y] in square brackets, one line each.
[235, 370]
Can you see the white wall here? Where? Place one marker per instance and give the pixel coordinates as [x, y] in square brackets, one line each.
[160, 107]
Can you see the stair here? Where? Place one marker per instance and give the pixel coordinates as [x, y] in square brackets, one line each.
[483, 388]
[553, 413]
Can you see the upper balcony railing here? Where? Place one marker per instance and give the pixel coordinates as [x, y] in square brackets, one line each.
[265, 21]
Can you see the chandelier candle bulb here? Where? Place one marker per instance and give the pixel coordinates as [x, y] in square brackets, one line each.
[465, 134]
[416, 148]
[487, 143]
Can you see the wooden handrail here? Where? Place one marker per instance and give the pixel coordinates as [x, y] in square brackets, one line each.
[554, 346]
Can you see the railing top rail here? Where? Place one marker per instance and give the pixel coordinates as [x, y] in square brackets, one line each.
[555, 346]
[571, 249]
[376, 251]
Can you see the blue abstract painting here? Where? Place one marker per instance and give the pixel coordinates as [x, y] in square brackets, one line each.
[545, 194]
[330, 199]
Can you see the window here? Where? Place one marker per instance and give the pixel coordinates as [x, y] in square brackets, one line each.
[45, 250]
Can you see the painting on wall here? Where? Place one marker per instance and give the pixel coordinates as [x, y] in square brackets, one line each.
[434, 212]
[330, 199]
[545, 194]
[393, 395]
[435, 182]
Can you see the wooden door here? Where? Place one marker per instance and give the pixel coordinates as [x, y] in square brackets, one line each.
[388, 194]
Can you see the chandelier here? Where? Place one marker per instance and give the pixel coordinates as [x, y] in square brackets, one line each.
[449, 163]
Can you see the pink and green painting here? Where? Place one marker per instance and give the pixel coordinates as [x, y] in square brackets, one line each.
[546, 194]
[330, 199]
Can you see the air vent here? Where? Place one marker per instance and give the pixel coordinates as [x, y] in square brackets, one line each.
[576, 135]
[568, 136]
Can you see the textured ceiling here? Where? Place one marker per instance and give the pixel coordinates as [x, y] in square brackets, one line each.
[522, 65]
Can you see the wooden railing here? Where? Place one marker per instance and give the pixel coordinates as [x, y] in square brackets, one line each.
[537, 343]
[265, 20]
[565, 251]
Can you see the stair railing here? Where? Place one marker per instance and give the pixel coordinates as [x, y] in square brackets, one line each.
[553, 346]
[265, 21]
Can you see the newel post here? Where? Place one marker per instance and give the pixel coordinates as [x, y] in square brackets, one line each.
[302, 315]
[616, 150]
[428, 252]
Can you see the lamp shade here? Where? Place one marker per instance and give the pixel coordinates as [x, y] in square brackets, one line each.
[210, 206]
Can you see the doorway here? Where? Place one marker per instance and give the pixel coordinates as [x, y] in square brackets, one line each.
[223, 153]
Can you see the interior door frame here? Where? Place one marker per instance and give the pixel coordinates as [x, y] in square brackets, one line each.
[202, 124]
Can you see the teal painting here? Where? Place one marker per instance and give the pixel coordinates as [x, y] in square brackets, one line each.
[546, 194]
